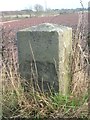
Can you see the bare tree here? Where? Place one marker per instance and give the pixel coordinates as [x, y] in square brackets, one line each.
[38, 8]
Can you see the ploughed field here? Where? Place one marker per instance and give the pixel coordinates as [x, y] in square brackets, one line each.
[66, 19]
[10, 28]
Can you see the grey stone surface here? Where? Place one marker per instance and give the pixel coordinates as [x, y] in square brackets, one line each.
[0, 71]
[44, 51]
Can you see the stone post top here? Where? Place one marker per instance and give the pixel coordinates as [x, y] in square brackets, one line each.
[47, 27]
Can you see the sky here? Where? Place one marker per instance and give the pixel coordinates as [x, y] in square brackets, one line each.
[7, 5]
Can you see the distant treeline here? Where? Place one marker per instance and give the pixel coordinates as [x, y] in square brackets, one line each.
[48, 10]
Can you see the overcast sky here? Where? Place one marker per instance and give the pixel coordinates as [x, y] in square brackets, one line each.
[6, 5]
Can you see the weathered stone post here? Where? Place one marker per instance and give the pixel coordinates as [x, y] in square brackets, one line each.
[49, 47]
[0, 71]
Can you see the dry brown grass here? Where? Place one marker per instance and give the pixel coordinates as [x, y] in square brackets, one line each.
[33, 104]
[80, 58]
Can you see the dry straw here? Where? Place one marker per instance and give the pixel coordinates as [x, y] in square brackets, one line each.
[80, 57]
